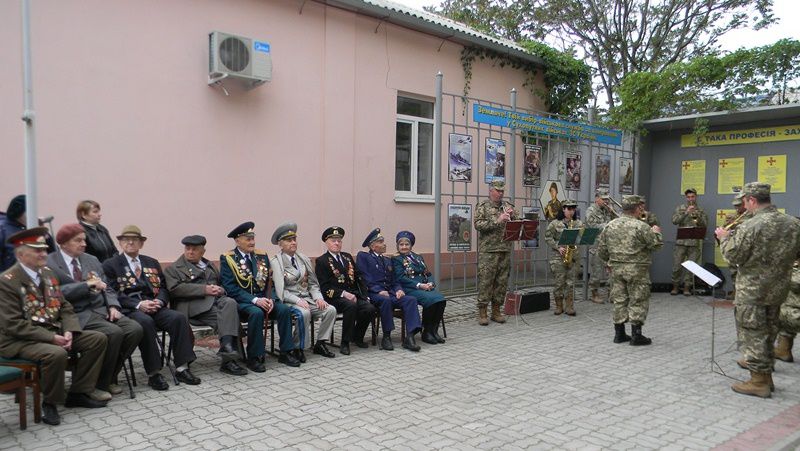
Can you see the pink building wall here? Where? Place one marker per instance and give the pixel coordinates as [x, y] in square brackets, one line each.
[124, 117]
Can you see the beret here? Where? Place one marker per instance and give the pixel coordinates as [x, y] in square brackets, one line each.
[407, 235]
[68, 232]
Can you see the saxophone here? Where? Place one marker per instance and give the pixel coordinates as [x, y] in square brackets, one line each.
[567, 259]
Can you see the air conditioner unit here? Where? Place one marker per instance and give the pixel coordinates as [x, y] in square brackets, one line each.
[237, 57]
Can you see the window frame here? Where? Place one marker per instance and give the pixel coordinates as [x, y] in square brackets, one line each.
[411, 195]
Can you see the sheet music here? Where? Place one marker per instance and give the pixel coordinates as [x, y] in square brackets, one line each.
[701, 272]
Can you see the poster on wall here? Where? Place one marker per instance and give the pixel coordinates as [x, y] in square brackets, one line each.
[602, 171]
[573, 171]
[693, 175]
[772, 170]
[626, 175]
[459, 227]
[459, 167]
[730, 175]
[533, 159]
[495, 160]
[531, 213]
[722, 219]
[552, 198]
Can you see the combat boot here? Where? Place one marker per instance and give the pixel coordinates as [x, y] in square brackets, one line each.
[783, 348]
[637, 339]
[596, 296]
[569, 306]
[483, 315]
[497, 315]
[619, 334]
[674, 291]
[758, 385]
[687, 291]
[559, 307]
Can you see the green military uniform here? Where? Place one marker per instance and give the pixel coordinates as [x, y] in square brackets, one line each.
[627, 244]
[598, 217]
[686, 249]
[564, 273]
[763, 248]
[789, 318]
[494, 254]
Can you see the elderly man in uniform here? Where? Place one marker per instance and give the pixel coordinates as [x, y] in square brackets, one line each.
[84, 285]
[494, 254]
[598, 215]
[687, 215]
[342, 287]
[297, 285]
[38, 324]
[627, 245]
[195, 290]
[386, 293]
[141, 291]
[764, 248]
[244, 272]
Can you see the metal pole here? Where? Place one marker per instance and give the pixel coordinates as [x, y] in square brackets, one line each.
[511, 178]
[592, 177]
[28, 115]
[437, 180]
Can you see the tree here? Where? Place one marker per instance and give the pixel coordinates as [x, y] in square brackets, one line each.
[618, 36]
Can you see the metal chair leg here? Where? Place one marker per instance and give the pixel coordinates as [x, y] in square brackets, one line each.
[128, 379]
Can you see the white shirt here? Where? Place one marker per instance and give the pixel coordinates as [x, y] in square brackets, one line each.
[33, 274]
[131, 260]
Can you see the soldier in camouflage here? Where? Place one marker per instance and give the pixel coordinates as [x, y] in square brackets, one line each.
[648, 217]
[731, 222]
[627, 244]
[686, 215]
[494, 254]
[764, 248]
[598, 215]
[564, 268]
[789, 318]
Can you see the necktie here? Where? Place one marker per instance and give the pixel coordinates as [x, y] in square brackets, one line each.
[339, 259]
[294, 263]
[76, 270]
[247, 260]
[136, 268]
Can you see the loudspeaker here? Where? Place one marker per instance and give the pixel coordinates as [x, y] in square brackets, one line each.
[528, 302]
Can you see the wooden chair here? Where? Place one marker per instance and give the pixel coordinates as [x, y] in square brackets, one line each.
[13, 379]
[31, 376]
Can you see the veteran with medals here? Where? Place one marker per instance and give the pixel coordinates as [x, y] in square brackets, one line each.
[141, 290]
[297, 285]
[342, 287]
[245, 276]
[38, 324]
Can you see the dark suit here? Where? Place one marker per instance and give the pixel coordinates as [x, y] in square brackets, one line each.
[244, 284]
[28, 329]
[150, 286]
[334, 278]
[378, 275]
[98, 242]
[92, 309]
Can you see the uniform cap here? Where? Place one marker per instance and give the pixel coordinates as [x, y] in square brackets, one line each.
[34, 238]
[498, 185]
[194, 240]
[631, 201]
[373, 236]
[131, 230]
[601, 193]
[68, 232]
[736, 201]
[569, 203]
[333, 232]
[245, 228]
[756, 188]
[285, 230]
[407, 235]
[690, 190]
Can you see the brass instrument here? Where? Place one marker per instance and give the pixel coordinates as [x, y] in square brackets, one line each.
[567, 258]
[611, 209]
[733, 224]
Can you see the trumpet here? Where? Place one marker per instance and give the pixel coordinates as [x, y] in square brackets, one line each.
[733, 224]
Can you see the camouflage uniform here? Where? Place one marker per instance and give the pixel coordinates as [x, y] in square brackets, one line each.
[651, 219]
[598, 217]
[686, 249]
[627, 244]
[494, 254]
[728, 220]
[563, 276]
[763, 248]
[789, 316]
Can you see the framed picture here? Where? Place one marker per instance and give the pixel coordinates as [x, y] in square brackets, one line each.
[602, 171]
[459, 227]
[495, 160]
[531, 174]
[552, 198]
[626, 175]
[531, 213]
[573, 171]
[459, 166]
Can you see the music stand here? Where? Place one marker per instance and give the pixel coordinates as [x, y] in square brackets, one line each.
[692, 233]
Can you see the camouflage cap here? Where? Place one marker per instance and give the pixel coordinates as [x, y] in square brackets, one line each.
[756, 188]
[736, 201]
[498, 185]
[601, 193]
[631, 201]
[690, 190]
[569, 203]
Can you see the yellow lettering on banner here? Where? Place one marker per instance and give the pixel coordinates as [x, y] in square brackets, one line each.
[730, 175]
[753, 135]
[772, 170]
[719, 260]
[693, 175]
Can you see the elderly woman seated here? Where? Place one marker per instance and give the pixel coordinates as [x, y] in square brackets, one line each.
[414, 277]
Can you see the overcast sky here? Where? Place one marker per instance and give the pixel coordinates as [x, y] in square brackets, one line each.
[787, 27]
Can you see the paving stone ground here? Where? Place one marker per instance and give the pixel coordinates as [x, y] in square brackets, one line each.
[551, 382]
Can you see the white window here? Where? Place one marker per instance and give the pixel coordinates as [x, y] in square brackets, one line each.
[413, 173]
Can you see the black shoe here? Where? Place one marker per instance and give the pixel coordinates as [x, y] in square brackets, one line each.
[82, 400]
[233, 368]
[300, 355]
[50, 414]
[637, 339]
[187, 377]
[323, 350]
[256, 365]
[288, 359]
[410, 344]
[619, 334]
[438, 337]
[428, 337]
[157, 382]
[344, 348]
[361, 344]
[386, 343]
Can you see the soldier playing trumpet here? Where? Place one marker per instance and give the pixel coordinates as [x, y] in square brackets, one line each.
[565, 262]
[686, 215]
